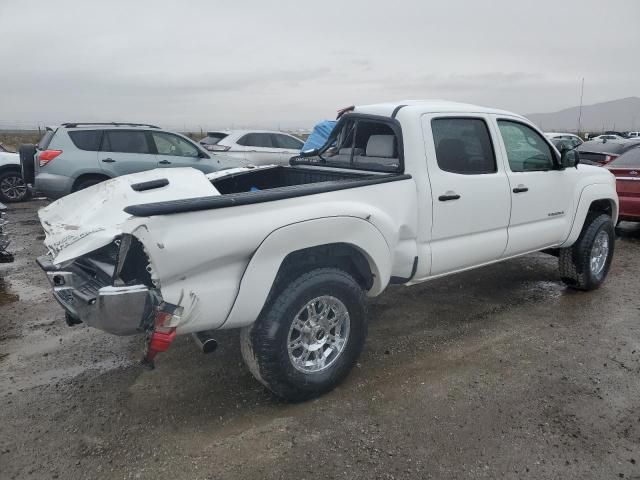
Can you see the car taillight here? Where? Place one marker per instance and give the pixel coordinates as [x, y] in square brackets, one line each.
[46, 156]
[610, 158]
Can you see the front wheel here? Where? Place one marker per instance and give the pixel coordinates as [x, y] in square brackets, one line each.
[309, 336]
[12, 187]
[585, 265]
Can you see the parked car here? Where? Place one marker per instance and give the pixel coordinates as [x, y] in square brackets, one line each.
[5, 257]
[626, 169]
[572, 140]
[633, 135]
[608, 136]
[604, 151]
[416, 190]
[12, 186]
[74, 156]
[4, 149]
[254, 147]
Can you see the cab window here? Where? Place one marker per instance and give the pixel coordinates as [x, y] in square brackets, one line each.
[526, 150]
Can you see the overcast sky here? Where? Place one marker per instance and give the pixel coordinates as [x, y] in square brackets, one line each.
[214, 64]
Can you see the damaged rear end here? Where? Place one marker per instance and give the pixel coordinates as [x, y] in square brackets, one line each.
[99, 270]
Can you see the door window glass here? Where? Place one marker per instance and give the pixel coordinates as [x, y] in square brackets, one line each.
[463, 145]
[527, 151]
[168, 144]
[285, 141]
[125, 141]
[262, 140]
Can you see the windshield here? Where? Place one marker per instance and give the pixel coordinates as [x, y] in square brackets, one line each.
[361, 142]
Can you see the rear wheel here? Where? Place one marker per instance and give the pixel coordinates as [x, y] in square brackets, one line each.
[585, 265]
[12, 187]
[308, 338]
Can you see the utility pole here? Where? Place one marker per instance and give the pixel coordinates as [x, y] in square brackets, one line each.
[580, 110]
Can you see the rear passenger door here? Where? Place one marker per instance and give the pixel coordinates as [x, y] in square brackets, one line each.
[259, 149]
[470, 192]
[126, 151]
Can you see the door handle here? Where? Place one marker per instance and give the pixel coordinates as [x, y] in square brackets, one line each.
[164, 162]
[448, 196]
[520, 189]
[108, 160]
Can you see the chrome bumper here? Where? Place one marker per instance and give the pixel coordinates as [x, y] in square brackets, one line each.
[117, 310]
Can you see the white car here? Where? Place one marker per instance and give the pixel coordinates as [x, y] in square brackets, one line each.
[254, 147]
[608, 136]
[573, 140]
[402, 193]
[633, 135]
[12, 186]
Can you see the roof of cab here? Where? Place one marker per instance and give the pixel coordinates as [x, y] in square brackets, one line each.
[427, 106]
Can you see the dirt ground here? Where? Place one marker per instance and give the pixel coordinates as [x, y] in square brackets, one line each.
[501, 372]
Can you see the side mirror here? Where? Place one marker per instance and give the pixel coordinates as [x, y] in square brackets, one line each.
[569, 157]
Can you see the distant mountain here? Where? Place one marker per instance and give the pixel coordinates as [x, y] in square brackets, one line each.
[621, 115]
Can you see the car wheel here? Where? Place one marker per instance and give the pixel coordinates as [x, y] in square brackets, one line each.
[309, 336]
[12, 187]
[585, 265]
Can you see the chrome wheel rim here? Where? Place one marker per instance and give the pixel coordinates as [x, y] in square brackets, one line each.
[599, 252]
[318, 334]
[13, 188]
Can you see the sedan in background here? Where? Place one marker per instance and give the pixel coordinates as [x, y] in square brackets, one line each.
[626, 169]
[571, 139]
[254, 147]
[602, 152]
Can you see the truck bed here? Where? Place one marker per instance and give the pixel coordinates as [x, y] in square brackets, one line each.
[266, 184]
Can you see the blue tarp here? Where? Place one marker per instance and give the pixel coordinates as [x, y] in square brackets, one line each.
[319, 135]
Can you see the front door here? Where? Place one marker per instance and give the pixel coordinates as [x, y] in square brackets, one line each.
[174, 151]
[470, 192]
[541, 193]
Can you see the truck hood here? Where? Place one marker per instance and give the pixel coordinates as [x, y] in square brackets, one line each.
[89, 219]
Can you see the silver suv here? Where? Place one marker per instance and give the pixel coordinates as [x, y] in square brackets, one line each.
[74, 156]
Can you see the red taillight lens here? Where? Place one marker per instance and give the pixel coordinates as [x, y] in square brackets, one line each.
[610, 158]
[46, 156]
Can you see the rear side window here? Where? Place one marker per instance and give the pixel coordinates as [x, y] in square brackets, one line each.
[629, 159]
[256, 140]
[285, 141]
[124, 141]
[463, 145]
[86, 139]
[44, 142]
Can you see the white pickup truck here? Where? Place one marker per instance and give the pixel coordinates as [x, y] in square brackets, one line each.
[401, 193]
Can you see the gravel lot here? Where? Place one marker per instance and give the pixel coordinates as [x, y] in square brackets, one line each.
[497, 373]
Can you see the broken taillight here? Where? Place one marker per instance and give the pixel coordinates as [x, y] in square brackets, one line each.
[217, 148]
[46, 156]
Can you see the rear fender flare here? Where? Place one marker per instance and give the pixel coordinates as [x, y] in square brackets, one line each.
[261, 271]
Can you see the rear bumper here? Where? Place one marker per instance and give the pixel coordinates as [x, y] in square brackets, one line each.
[116, 310]
[52, 185]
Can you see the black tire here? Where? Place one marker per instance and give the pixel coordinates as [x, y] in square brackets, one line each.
[12, 187]
[27, 153]
[264, 344]
[575, 261]
[88, 183]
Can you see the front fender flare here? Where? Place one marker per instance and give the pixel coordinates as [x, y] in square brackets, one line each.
[264, 264]
[590, 194]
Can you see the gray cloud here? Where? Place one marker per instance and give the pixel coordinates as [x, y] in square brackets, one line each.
[284, 63]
